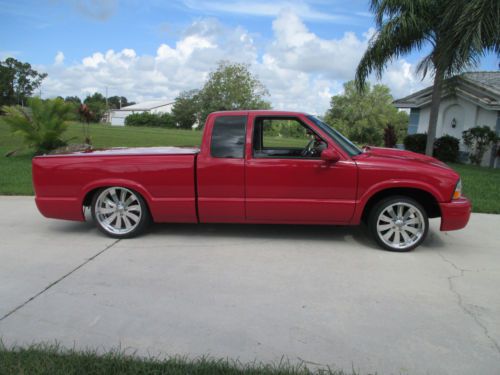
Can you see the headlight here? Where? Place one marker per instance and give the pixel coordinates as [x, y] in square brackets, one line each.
[458, 190]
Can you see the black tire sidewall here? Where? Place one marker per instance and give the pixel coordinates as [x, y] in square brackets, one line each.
[380, 206]
[143, 222]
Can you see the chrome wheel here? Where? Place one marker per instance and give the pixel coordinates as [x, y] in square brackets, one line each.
[400, 225]
[118, 210]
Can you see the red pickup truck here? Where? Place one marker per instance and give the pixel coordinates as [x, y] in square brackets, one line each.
[268, 167]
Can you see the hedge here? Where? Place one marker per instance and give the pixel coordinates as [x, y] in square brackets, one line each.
[165, 120]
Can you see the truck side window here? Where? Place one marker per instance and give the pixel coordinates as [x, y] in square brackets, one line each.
[276, 137]
[228, 137]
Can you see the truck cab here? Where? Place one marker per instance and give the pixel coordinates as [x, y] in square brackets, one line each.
[267, 167]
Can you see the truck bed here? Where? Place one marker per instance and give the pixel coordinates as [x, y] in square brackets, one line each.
[164, 176]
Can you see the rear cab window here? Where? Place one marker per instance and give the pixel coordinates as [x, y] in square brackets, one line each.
[228, 137]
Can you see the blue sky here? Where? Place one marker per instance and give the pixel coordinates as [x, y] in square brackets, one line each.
[303, 51]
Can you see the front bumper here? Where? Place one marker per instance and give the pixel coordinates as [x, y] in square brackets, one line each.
[455, 214]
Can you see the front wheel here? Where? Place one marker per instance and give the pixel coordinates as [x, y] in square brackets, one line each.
[119, 212]
[398, 223]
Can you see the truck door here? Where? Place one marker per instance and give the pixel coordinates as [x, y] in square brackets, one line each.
[286, 179]
[221, 170]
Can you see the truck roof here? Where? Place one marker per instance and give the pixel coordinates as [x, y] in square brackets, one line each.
[259, 111]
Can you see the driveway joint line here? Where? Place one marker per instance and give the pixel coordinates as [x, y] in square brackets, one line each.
[58, 280]
[460, 301]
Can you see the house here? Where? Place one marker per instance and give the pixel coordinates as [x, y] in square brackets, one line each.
[468, 100]
[117, 116]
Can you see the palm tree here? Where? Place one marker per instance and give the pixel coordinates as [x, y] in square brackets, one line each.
[458, 33]
[41, 125]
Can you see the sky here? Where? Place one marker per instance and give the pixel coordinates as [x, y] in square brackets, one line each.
[302, 51]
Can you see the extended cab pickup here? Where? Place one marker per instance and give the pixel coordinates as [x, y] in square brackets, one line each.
[256, 167]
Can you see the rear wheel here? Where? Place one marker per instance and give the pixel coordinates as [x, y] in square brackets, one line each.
[398, 223]
[119, 212]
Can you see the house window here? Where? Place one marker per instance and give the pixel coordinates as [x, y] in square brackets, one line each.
[413, 123]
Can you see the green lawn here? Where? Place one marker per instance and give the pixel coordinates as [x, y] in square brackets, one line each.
[482, 185]
[51, 360]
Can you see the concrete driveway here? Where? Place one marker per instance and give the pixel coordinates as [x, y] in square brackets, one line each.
[322, 295]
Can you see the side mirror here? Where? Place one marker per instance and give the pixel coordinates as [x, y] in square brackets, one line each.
[330, 155]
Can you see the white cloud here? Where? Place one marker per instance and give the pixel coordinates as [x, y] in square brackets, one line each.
[401, 77]
[299, 49]
[301, 70]
[59, 59]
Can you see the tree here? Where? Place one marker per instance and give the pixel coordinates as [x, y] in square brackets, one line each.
[186, 109]
[230, 87]
[363, 115]
[73, 99]
[116, 102]
[18, 81]
[407, 25]
[42, 125]
[96, 104]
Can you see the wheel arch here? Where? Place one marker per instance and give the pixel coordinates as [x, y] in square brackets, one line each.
[90, 190]
[424, 197]
[87, 199]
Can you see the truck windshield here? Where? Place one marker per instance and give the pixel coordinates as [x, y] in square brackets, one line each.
[342, 141]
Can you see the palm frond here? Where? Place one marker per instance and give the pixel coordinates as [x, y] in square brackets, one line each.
[387, 9]
[398, 36]
[473, 29]
[425, 65]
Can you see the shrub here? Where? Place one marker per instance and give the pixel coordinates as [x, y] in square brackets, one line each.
[42, 125]
[415, 142]
[390, 136]
[446, 148]
[478, 139]
[165, 120]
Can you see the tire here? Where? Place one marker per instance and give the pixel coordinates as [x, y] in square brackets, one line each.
[398, 223]
[120, 212]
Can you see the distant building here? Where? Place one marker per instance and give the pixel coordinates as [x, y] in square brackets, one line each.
[468, 100]
[117, 116]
